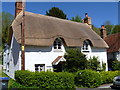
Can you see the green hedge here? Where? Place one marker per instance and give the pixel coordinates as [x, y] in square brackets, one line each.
[87, 78]
[107, 77]
[45, 79]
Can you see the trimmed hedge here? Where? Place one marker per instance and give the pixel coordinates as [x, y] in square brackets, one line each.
[87, 78]
[107, 77]
[50, 80]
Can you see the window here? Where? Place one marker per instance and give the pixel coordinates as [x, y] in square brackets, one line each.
[39, 67]
[57, 44]
[86, 46]
[7, 67]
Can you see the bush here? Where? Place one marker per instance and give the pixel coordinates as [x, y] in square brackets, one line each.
[116, 65]
[75, 60]
[107, 77]
[94, 64]
[50, 80]
[87, 78]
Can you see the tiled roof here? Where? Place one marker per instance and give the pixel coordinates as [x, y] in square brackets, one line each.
[57, 59]
[113, 42]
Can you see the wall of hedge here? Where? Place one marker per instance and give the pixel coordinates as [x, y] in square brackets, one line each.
[50, 80]
[107, 77]
[88, 78]
[61, 80]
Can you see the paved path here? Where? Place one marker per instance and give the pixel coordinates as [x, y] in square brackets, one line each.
[102, 87]
[106, 86]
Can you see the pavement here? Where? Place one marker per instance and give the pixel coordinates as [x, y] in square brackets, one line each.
[102, 87]
[105, 85]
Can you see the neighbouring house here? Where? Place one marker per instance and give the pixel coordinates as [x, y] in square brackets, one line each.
[46, 39]
[113, 52]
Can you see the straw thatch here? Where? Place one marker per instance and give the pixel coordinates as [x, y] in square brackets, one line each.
[41, 30]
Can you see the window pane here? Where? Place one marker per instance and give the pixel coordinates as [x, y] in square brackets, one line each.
[59, 47]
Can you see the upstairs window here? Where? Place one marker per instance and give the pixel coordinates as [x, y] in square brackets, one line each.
[57, 44]
[86, 46]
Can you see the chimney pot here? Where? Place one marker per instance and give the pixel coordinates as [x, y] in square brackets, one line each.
[87, 20]
[18, 7]
[103, 32]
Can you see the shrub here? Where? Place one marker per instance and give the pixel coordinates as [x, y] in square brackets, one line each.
[116, 65]
[75, 60]
[87, 78]
[48, 80]
[107, 76]
[94, 64]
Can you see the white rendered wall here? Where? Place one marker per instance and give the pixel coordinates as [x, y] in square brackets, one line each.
[101, 53]
[41, 55]
[13, 58]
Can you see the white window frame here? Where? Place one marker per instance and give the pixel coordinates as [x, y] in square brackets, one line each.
[57, 46]
[86, 46]
[39, 67]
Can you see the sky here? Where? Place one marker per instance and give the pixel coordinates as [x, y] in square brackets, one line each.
[100, 12]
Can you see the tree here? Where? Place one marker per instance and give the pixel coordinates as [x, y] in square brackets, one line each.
[94, 64]
[97, 30]
[7, 19]
[109, 29]
[75, 60]
[116, 29]
[116, 65]
[56, 12]
[77, 19]
[107, 23]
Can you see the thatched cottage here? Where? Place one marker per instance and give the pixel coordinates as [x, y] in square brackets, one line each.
[46, 38]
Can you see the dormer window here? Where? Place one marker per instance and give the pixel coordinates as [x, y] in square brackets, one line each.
[86, 46]
[57, 44]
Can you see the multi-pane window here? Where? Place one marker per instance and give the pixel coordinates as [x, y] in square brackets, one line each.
[86, 45]
[57, 44]
[39, 67]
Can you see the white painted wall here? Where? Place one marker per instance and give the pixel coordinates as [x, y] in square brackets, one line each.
[41, 55]
[13, 58]
[101, 53]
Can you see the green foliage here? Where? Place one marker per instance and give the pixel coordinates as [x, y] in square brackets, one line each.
[7, 19]
[88, 78]
[109, 29]
[107, 76]
[77, 19]
[75, 60]
[116, 29]
[103, 66]
[116, 65]
[50, 80]
[97, 30]
[94, 64]
[56, 12]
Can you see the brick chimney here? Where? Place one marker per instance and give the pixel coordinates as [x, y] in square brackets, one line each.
[87, 20]
[18, 7]
[103, 32]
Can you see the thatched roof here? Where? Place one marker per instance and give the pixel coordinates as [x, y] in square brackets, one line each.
[42, 30]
